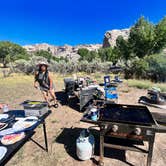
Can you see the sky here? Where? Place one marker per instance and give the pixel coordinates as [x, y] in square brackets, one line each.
[73, 22]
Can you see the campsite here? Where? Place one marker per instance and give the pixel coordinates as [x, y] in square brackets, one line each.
[64, 126]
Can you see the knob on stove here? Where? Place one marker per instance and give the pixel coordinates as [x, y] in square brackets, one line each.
[115, 128]
[137, 131]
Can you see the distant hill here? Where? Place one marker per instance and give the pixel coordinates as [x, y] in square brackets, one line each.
[62, 51]
[69, 51]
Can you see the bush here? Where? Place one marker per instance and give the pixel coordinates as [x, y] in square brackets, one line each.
[151, 67]
[29, 66]
[140, 68]
[23, 66]
[157, 67]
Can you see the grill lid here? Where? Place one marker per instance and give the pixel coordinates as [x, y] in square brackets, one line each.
[132, 114]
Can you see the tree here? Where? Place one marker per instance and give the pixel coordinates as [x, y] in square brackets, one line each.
[123, 48]
[92, 55]
[157, 67]
[83, 52]
[142, 38]
[9, 52]
[160, 35]
[105, 54]
[45, 54]
[140, 68]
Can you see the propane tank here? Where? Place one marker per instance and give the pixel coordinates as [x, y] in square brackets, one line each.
[85, 145]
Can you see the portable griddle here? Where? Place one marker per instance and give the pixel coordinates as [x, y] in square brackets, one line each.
[131, 114]
[129, 122]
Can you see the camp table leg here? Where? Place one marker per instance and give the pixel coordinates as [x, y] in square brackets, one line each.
[101, 162]
[149, 158]
[45, 136]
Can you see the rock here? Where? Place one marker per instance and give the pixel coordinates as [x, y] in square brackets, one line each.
[111, 36]
[62, 51]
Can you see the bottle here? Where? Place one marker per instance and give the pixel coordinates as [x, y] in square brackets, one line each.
[5, 108]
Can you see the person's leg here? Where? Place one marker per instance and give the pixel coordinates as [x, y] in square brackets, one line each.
[45, 95]
[52, 94]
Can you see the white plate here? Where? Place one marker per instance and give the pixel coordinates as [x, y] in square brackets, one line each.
[25, 123]
[3, 151]
[12, 138]
[3, 116]
[7, 131]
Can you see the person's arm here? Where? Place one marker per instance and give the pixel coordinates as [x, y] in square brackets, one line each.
[51, 81]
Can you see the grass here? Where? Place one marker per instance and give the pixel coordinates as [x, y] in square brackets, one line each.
[145, 84]
[15, 79]
[19, 87]
[21, 79]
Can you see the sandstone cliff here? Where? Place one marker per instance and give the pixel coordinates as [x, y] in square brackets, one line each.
[111, 36]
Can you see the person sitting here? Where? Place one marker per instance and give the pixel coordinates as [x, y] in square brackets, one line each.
[44, 82]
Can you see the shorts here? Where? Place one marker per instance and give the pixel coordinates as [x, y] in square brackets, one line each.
[45, 89]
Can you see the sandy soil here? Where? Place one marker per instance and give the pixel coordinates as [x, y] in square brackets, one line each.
[64, 126]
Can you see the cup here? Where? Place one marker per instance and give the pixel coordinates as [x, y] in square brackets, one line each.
[5, 108]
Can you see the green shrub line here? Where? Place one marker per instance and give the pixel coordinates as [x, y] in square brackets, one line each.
[145, 84]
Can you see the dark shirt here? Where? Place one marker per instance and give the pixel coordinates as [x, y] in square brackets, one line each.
[43, 79]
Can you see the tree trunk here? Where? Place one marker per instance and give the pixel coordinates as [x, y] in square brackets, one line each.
[4, 63]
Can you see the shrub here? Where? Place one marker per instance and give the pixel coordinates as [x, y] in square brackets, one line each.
[151, 67]
[157, 67]
[29, 66]
[140, 68]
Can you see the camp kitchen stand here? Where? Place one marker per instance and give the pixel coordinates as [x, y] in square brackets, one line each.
[125, 123]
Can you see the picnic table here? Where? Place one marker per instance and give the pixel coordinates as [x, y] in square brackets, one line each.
[14, 148]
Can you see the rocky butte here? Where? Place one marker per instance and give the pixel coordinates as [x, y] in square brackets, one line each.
[71, 51]
[62, 51]
[111, 36]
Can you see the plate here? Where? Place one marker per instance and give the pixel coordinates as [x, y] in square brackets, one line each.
[25, 123]
[12, 138]
[7, 131]
[3, 116]
[3, 151]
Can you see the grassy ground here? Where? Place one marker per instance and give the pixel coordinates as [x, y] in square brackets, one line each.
[64, 126]
[145, 84]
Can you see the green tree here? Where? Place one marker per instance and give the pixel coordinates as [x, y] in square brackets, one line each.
[160, 35]
[157, 66]
[105, 54]
[142, 37]
[10, 52]
[45, 54]
[92, 55]
[83, 52]
[123, 49]
[140, 68]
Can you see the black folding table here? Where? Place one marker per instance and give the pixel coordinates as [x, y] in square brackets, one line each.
[14, 148]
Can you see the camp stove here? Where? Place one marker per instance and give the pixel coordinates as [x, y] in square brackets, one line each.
[129, 122]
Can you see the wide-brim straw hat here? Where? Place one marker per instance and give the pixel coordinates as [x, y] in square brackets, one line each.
[43, 63]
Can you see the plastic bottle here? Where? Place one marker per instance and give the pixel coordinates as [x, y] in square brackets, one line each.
[5, 108]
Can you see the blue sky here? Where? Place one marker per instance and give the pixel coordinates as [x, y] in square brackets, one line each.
[72, 22]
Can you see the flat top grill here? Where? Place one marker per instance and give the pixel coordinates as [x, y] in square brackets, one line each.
[131, 114]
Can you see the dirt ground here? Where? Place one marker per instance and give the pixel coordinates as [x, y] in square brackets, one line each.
[64, 126]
